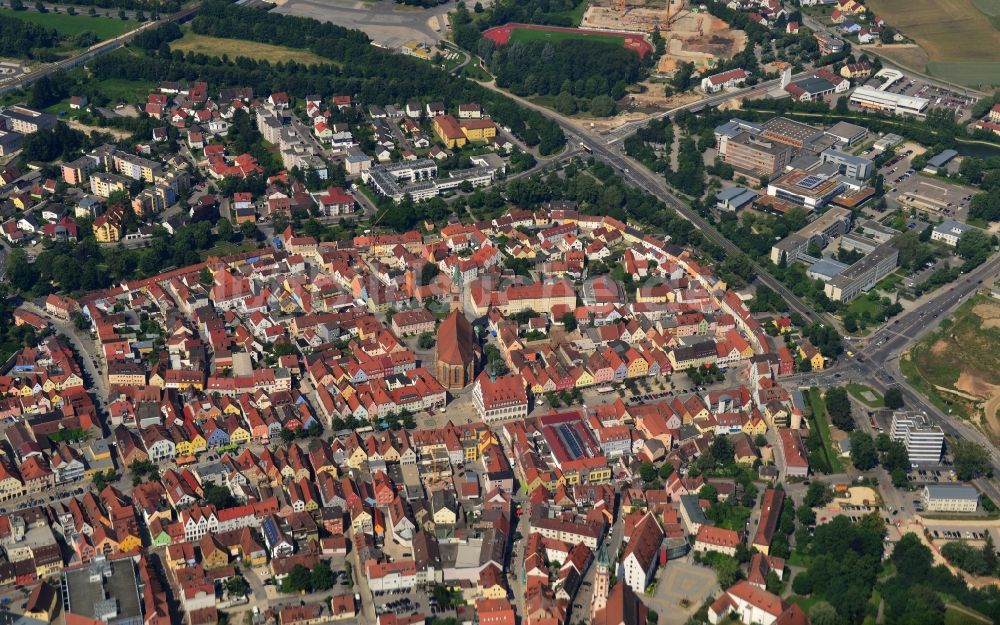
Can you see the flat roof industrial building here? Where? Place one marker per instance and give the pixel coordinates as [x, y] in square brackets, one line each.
[106, 590]
[871, 98]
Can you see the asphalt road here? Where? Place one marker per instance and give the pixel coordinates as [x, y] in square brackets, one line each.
[880, 364]
[877, 364]
[94, 51]
[639, 176]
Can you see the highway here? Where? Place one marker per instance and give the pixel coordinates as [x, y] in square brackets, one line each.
[94, 51]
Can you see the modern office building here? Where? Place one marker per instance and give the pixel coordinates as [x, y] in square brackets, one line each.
[752, 154]
[793, 133]
[864, 274]
[949, 232]
[847, 134]
[832, 223]
[811, 190]
[923, 440]
[735, 199]
[856, 167]
[725, 132]
[950, 498]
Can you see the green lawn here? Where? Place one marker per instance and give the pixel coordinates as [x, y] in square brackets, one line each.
[917, 381]
[531, 34]
[227, 249]
[804, 602]
[890, 282]
[861, 304]
[72, 25]
[798, 559]
[857, 391]
[120, 90]
[821, 421]
[473, 71]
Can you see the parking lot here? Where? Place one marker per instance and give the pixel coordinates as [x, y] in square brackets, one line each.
[933, 196]
[389, 25]
[939, 98]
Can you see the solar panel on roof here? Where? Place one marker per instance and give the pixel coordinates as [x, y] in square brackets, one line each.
[810, 182]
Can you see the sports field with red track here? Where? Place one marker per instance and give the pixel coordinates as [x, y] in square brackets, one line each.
[503, 34]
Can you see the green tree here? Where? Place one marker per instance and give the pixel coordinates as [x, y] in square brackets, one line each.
[602, 106]
[568, 320]
[838, 405]
[863, 452]
[565, 103]
[205, 277]
[822, 613]
[648, 472]
[974, 246]
[426, 340]
[299, 580]
[818, 494]
[971, 460]
[322, 577]
[727, 570]
[893, 398]
[237, 586]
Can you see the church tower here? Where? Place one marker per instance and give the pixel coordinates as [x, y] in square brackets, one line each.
[602, 582]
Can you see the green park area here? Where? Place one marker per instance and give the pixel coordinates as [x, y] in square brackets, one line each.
[866, 395]
[72, 25]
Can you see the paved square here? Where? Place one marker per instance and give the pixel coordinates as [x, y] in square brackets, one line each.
[680, 580]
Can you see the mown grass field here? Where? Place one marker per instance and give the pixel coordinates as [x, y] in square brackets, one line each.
[976, 75]
[531, 34]
[72, 25]
[217, 46]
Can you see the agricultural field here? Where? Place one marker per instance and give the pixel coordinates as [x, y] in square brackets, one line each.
[958, 366]
[217, 46]
[961, 38]
[72, 25]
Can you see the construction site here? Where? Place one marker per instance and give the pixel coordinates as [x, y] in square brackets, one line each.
[692, 34]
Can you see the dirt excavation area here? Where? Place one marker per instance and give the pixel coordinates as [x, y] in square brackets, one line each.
[701, 39]
[692, 35]
[978, 383]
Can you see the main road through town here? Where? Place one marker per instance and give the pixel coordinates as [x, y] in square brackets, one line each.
[877, 362]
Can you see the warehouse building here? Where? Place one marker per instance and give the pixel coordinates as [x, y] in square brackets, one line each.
[886, 101]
